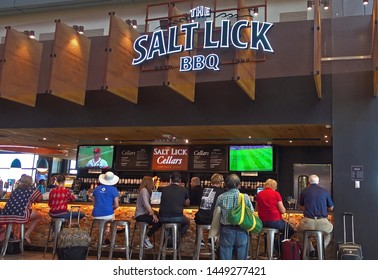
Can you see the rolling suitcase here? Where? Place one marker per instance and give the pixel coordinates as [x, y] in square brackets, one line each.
[73, 244]
[290, 249]
[349, 250]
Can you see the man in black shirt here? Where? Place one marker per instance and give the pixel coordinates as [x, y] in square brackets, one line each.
[195, 191]
[173, 199]
[210, 194]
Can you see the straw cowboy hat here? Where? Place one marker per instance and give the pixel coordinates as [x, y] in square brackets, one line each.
[108, 178]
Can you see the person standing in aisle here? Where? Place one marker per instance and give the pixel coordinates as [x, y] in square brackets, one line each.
[105, 200]
[97, 161]
[144, 212]
[195, 191]
[315, 201]
[173, 199]
[233, 239]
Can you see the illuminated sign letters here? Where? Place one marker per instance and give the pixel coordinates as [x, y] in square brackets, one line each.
[149, 47]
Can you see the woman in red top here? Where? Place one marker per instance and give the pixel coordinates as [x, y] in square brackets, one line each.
[271, 208]
[58, 199]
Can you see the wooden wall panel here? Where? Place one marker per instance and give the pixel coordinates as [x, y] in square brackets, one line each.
[20, 67]
[374, 47]
[181, 82]
[245, 70]
[69, 64]
[121, 77]
[317, 49]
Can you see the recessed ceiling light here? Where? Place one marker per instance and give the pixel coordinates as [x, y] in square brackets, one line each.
[44, 138]
[106, 138]
[325, 136]
[291, 141]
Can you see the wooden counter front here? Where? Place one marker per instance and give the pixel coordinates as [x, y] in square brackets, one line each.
[126, 212]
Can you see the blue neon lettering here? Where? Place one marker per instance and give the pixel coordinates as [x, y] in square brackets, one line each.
[208, 42]
[157, 45]
[225, 35]
[172, 41]
[185, 63]
[142, 51]
[235, 34]
[258, 36]
[188, 29]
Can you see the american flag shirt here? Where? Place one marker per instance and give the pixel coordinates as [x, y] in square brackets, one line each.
[18, 207]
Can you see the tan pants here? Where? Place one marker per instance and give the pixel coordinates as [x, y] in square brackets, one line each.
[316, 224]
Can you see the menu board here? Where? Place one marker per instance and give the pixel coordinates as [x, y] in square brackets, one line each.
[208, 158]
[169, 158]
[133, 158]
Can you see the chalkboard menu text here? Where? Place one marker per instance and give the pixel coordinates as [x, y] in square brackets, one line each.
[133, 158]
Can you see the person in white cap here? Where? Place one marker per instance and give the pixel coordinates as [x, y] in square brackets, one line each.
[105, 199]
[97, 161]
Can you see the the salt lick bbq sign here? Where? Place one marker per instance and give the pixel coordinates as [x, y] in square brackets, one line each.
[148, 47]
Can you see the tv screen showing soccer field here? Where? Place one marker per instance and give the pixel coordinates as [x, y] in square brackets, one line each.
[251, 158]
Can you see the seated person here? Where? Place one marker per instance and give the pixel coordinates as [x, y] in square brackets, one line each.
[58, 199]
[270, 208]
[144, 212]
[195, 191]
[19, 210]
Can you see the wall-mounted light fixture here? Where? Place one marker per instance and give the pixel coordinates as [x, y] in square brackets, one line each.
[30, 33]
[42, 166]
[365, 2]
[325, 3]
[132, 22]
[79, 29]
[255, 12]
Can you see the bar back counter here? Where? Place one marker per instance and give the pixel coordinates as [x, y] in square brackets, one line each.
[126, 212]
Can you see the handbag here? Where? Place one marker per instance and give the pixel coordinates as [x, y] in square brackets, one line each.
[242, 216]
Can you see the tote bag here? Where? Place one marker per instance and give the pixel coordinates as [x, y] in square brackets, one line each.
[242, 216]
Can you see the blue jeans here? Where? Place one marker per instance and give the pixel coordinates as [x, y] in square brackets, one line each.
[183, 220]
[233, 243]
[67, 215]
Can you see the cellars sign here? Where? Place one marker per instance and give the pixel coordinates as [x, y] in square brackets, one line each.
[149, 46]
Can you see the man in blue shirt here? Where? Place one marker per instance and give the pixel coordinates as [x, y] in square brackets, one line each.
[315, 201]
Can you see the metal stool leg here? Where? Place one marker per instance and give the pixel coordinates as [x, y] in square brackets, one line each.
[6, 239]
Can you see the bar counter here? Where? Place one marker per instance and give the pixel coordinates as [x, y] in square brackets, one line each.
[126, 212]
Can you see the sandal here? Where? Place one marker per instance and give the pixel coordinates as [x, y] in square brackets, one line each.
[27, 240]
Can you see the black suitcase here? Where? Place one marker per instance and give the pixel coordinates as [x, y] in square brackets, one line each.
[349, 250]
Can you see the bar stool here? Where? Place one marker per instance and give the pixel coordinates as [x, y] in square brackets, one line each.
[8, 232]
[269, 235]
[120, 247]
[166, 228]
[142, 227]
[197, 246]
[54, 229]
[251, 238]
[308, 235]
[56, 226]
[101, 228]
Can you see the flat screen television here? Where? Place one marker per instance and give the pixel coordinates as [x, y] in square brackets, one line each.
[257, 158]
[95, 156]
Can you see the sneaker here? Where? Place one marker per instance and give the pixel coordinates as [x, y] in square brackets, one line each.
[148, 244]
[202, 243]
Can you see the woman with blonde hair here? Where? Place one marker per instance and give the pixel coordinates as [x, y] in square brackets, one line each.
[144, 212]
[18, 209]
[270, 208]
